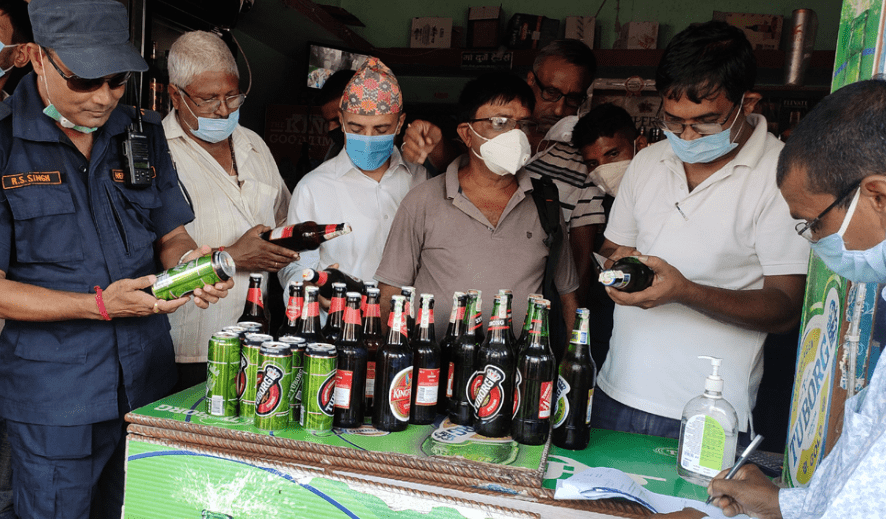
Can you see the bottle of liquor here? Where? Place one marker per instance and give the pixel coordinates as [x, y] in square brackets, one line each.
[325, 278]
[527, 323]
[536, 370]
[461, 410]
[350, 377]
[510, 293]
[409, 309]
[577, 375]
[491, 388]
[456, 317]
[628, 274]
[310, 317]
[305, 235]
[393, 374]
[293, 310]
[156, 82]
[254, 310]
[334, 319]
[426, 365]
[366, 286]
[372, 341]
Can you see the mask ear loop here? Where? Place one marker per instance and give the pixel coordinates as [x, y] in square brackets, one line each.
[849, 213]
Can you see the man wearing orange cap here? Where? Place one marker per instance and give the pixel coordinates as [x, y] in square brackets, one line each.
[364, 183]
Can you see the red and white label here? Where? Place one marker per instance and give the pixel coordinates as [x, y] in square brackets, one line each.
[343, 382]
[544, 400]
[372, 311]
[330, 229]
[322, 277]
[352, 316]
[293, 308]
[449, 379]
[370, 379]
[254, 296]
[311, 309]
[427, 385]
[337, 305]
[425, 318]
[400, 394]
[282, 232]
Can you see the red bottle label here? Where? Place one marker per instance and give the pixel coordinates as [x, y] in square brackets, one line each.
[544, 400]
[311, 309]
[337, 305]
[425, 319]
[460, 314]
[322, 277]
[343, 382]
[329, 229]
[427, 384]
[372, 311]
[254, 296]
[400, 394]
[282, 232]
[370, 379]
[352, 316]
[293, 308]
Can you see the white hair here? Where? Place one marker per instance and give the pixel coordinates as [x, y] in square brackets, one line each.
[194, 53]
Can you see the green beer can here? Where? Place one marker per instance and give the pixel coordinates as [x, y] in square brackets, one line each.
[318, 403]
[249, 364]
[222, 366]
[297, 346]
[274, 381]
[183, 279]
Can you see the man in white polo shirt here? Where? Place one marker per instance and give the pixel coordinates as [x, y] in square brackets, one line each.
[703, 211]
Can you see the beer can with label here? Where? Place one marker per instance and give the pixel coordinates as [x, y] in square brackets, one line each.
[222, 365]
[249, 364]
[297, 346]
[274, 380]
[318, 404]
[183, 279]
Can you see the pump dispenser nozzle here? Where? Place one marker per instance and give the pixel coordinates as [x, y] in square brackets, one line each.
[713, 385]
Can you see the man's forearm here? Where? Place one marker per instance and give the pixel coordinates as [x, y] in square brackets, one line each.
[171, 247]
[23, 302]
[569, 303]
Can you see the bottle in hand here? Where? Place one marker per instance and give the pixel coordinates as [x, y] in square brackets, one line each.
[628, 274]
[325, 278]
[426, 365]
[536, 370]
[254, 310]
[576, 377]
[305, 235]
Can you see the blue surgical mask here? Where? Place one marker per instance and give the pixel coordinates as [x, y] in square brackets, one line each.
[704, 149]
[3, 71]
[369, 152]
[214, 130]
[862, 266]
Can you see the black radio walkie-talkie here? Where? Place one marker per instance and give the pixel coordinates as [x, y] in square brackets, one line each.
[139, 173]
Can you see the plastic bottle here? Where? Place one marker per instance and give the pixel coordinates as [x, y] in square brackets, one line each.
[708, 432]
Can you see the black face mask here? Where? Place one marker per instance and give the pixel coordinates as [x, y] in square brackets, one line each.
[337, 136]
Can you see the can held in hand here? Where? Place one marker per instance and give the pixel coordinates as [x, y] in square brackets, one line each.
[222, 366]
[297, 345]
[274, 380]
[318, 404]
[183, 279]
[249, 364]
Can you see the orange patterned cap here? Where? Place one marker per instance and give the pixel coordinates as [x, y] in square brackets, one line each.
[373, 91]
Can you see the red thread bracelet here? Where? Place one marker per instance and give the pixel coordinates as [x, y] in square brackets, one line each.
[101, 304]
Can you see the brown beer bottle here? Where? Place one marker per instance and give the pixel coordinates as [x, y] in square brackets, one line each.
[305, 235]
[293, 310]
[491, 388]
[426, 365]
[254, 310]
[393, 374]
[310, 317]
[628, 274]
[456, 317]
[461, 411]
[350, 376]
[409, 310]
[372, 341]
[332, 330]
[325, 278]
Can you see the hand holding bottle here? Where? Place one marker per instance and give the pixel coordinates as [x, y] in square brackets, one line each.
[668, 286]
[251, 253]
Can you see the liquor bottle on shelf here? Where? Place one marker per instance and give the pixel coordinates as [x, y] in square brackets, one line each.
[461, 411]
[291, 326]
[325, 278]
[305, 235]
[447, 345]
[372, 341]
[576, 377]
[491, 388]
[350, 377]
[254, 310]
[310, 317]
[536, 371]
[334, 319]
[628, 274]
[393, 374]
[426, 365]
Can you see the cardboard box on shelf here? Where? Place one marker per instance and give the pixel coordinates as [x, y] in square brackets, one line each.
[431, 33]
[762, 30]
[484, 27]
[529, 31]
[582, 28]
[637, 35]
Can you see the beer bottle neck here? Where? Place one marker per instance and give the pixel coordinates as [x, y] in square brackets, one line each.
[457, 325]
[579, 344]
[470, 323]
[424, 331]
[498, 323]
[372, 317]
[538, 333]
[397, 333]
[351, 322]
[294, 306]
[311, 314]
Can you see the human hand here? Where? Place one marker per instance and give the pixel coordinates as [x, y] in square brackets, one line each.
[125, 298]
[209, 294]
[686, 513]
[253, 254]
[619, 253]
[419, 141]
[748, 492]
[668, 286]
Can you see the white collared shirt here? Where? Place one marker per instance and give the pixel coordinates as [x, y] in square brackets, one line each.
[223, 212]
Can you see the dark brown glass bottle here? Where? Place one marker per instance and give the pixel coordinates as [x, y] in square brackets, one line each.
[334, 319]
[409, 309]
[576, 378]
[393, 374]
[491, 388]
[372, 341]
[350, 377]
[510, 294]
[628, 274]
[305, 235]
[426, 365]
[447, 345]
[291, 325]
[536, 370]
[461, 410]
[310, 317]
[254, 310]
[325, 278]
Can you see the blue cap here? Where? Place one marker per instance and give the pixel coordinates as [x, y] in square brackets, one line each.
[90, 36]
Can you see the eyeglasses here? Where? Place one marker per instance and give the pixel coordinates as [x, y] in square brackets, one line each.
[552, 95]
[699, 128]
[209, 106]
[806, 229]
[79, 84]
[506, 124]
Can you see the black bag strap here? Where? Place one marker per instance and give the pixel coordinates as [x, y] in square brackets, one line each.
[547, 201]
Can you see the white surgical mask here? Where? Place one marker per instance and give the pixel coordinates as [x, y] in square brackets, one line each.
[52, 112]
[506, 153]
[608, 176]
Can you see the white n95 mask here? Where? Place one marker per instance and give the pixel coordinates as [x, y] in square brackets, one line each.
[504, 154]
[608, 176]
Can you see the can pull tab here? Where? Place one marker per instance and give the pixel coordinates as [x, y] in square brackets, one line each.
[713, 385]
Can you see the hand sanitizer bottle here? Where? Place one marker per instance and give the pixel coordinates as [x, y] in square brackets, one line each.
[708, 432]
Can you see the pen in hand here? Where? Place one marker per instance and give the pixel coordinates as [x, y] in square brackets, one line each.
[741, 461]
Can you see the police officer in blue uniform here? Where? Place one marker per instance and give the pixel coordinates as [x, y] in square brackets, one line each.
[73, 357]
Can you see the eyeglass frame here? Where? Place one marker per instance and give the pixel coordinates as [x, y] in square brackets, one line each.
[213, 100]
[802, 227]
[662, 124]
[546, 90]
[517, 122]
[99, 82]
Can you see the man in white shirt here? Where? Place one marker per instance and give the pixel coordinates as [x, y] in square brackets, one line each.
[703, 211]
[232, 182]
[363, 184]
